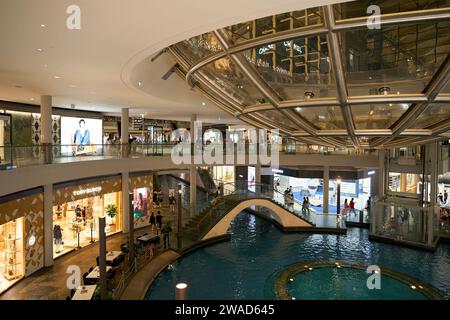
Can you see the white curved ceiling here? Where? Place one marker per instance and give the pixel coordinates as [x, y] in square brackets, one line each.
[100, 64]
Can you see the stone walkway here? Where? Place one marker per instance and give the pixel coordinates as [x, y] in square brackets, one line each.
[50, 283]
[142, 280]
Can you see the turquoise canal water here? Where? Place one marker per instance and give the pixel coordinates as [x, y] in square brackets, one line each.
[330, 283]
[246, 266]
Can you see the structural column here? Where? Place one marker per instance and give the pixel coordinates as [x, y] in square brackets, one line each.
[193, 190]
[326, 188]
[257, 176]
[125, 205]
[381, 173]
[124, 133]
[48, 225]
[433, 188]
[46, 128]
[193, 171]
[102, 258]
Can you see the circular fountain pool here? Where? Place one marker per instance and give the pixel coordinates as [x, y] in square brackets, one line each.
[322, 280]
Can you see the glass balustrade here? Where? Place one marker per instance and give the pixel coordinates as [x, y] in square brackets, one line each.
[23, 156]
[405, 223]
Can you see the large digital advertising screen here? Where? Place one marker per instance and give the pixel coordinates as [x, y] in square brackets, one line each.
[80, 135]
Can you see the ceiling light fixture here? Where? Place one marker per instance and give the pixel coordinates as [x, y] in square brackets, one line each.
[298, 109]
[384, 90]
[31, 99]
[43, 25]
[309, 94]
[39, 49]
[139, 83]
[203, 103]
[56, 77]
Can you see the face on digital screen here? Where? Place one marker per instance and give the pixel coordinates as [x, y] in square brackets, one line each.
[79, 133]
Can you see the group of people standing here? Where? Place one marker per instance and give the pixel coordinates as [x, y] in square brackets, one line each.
[158, 198]
[305, 205]
[443, 197]
[289, 197]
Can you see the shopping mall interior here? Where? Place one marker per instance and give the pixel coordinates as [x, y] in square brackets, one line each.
[286, 150]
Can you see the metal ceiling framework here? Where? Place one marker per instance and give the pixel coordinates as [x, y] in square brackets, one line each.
[308, 132]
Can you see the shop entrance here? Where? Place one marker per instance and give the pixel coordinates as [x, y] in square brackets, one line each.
[11, 253]
[5, 139]
[75, 223]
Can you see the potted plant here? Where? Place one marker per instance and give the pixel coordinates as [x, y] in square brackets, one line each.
[111, 211]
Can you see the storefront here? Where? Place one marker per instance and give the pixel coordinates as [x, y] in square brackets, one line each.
[358, 189]
[225, 175]
[142, 188]
[21, 238]
[76, 209]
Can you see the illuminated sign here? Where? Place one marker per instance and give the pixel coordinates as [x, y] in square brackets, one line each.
[86, 191]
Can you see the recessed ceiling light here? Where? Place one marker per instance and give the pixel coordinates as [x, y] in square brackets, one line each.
[390, 104]
[203, 103]
[39, 49]
[297, 109]
[139, 83]
[43, 25]
[31, 99]
[56, 77]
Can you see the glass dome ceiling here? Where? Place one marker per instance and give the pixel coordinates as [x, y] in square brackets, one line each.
[321, 75]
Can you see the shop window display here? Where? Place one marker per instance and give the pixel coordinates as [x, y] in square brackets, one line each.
[359, 190]
[226, 175]
[11, 253]
[75, 224]
[141, 207]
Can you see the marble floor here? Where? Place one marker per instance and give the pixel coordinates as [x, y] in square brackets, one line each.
[50, 283]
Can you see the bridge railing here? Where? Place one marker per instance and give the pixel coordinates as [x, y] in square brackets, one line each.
[223, 204]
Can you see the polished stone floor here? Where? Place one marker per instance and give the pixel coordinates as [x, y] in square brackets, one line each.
[50, 283]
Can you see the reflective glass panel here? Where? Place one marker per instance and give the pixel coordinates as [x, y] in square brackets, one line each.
[433, 114]
[324, 118]
[377, 116]
[294, 67]
[354, 9]
[230, 79]
[196, 48]
[274, 24]
[280, 119]
[403, 58]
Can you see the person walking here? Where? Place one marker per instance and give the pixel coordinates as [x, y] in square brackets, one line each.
[344, 211]
[160, 198]
[152, 220]
[57, 235]
[445, 196]
[441, 198]
[172, 202]
[166, 230]
[158, 221]
[352, 206]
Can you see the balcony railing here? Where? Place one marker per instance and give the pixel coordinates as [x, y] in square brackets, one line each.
[23, 156]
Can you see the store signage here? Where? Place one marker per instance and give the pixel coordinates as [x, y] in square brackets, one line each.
[87, 191]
